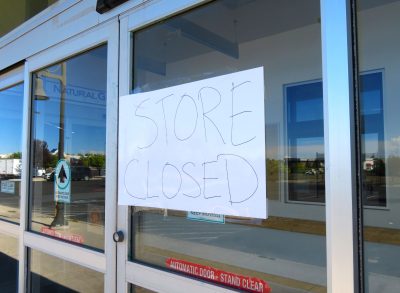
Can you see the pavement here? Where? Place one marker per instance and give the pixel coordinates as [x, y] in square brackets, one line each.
[289, 261]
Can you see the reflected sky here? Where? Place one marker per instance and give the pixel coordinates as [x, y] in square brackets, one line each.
[11, 108]
[305, 126]
[85, 104]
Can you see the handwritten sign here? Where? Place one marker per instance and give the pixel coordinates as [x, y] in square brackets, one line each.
[198, 146]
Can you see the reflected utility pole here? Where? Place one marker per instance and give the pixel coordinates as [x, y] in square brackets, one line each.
[59, 218]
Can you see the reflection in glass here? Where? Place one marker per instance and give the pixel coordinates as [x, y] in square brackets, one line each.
[305, 139]
[49, 274]
[305, 162]
[69, 127]
[11, 106]
[8, 264]
[378, 49]
[287, 250]
[372, 139]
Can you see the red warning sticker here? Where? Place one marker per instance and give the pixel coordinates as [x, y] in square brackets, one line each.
[65, 236]
[246, 283]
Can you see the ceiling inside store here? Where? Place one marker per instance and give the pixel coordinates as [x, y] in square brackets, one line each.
[224, 24]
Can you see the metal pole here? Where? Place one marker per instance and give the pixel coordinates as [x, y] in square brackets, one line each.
[62, 112]
[59, 219]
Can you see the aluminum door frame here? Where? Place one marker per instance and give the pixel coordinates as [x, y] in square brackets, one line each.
[8, 79]
[341, 215]
[340, 149]
[105, 33]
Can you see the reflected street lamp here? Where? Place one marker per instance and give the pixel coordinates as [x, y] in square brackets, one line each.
[40, 95]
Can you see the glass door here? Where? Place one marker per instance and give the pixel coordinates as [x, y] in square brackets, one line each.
[11, 117]
[170, 248]
[379, 150]
[71, 183]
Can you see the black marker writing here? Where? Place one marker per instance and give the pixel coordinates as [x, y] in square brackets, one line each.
[229, 169]
[237, 114]
[191, 177]
[162, 180]
[205, 113]
[247, 163]
[176, 113]
[152, 121]
[125, 179]
[147, 181]
[164, 116]
[208, 178]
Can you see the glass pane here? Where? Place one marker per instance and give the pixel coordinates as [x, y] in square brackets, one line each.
[68, 146]
[8, 264]
[372, 138]
[287, 250]
[14, 13]
[11, 108]
[51, 274]
[378, 45]
[305, 139]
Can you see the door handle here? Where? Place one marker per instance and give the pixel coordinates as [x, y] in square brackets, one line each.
[118, 236]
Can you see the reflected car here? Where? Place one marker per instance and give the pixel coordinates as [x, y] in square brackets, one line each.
[311, 172]
[49, 176]
[77, 173]
[81, 173]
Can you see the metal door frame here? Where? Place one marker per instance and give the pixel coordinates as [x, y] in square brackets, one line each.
[105, 33]
[339, 149]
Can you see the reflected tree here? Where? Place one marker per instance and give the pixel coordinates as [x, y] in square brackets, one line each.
[16, 155]
[94, 160]
[42, 157]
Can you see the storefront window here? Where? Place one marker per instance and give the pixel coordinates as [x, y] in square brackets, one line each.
[286, 251]
[378, 46]
[68, 149]
[50, 274]
[8, 264]
[11, 104]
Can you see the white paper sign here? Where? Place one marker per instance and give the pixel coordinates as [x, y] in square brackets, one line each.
[199, 146]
